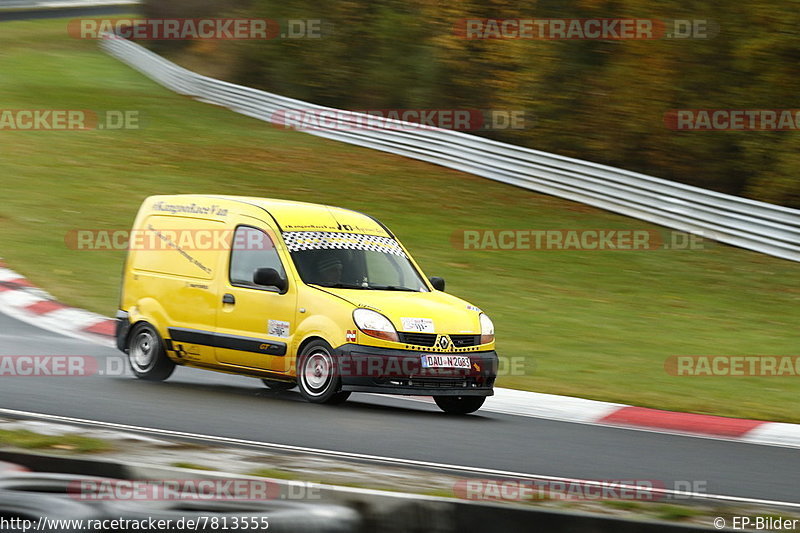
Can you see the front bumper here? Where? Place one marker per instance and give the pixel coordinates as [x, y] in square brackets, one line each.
[387, 371]
[122, 330]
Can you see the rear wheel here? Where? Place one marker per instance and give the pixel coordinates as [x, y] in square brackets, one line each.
[459, 405]
[317, 374]
[274, 384]
[146, 354]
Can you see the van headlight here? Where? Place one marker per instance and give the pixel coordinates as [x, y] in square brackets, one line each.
[487, 329]
[375, 324]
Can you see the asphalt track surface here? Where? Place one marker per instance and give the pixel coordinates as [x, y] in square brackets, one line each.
[211, 403]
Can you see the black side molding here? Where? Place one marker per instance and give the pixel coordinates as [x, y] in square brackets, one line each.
[230, 342]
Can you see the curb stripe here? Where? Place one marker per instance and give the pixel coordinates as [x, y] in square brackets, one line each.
[684, 422]
[107, 328]
[45, 306]
[22, 282]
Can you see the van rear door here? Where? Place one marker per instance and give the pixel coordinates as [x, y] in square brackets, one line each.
[173, 277]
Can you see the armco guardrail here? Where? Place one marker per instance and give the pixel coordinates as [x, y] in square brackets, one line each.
[749, 224]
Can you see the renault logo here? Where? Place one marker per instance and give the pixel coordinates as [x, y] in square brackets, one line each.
[443, 342]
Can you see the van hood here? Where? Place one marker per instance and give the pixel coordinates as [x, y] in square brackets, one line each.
[449, 314]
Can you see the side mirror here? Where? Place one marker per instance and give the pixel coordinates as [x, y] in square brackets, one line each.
[269, 277]
[438, 283]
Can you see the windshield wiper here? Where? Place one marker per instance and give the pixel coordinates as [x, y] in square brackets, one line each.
[363, 287]
[391, 288]
[339, 285]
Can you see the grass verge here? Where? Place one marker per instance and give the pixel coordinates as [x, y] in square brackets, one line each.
[22, 438]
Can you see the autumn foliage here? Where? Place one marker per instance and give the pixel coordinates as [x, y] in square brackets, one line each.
[603, 100]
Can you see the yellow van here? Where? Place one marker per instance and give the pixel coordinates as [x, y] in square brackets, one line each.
[297, 294]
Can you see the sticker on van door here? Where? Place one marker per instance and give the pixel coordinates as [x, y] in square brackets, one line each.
[278, 328]
[420, 325]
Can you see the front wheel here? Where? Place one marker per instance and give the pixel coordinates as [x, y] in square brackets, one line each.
[317, 374]
[459, 405]
[146, 354]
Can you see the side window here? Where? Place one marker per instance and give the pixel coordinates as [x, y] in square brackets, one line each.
[252, 249]
[382, 267]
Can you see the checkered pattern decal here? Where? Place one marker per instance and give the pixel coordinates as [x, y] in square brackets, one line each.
[326, 240]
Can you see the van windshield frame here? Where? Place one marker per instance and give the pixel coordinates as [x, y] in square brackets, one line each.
[353, 261]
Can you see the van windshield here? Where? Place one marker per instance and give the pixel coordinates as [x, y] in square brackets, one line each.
[352, 261]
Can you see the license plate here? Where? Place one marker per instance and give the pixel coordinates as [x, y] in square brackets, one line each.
[445, 361]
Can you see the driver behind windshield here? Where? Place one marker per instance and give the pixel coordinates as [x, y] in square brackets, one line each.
[329, 270]
[353, 262]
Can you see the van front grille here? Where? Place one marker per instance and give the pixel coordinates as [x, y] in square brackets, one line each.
[429, 339]
[432, 383]
[462, 341]
[417, 339]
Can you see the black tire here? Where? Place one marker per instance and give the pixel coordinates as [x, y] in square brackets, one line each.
[459, 405]
[274, 384]
[318, 374]
[147, 356]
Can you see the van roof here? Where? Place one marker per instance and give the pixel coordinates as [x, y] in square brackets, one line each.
[304, 216]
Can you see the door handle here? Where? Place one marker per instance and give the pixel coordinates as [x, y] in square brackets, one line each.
[228, 299]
